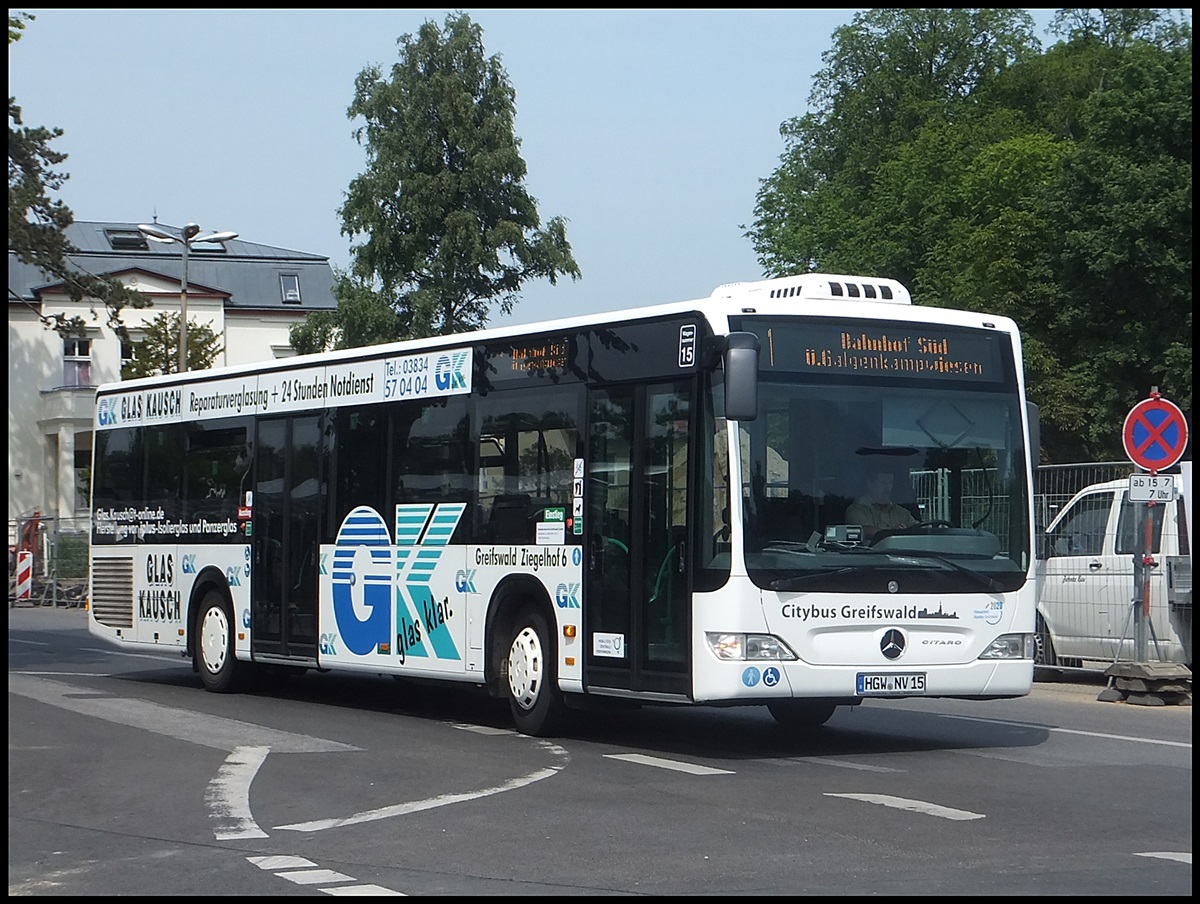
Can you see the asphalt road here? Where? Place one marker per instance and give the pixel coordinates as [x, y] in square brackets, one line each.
[125, 777]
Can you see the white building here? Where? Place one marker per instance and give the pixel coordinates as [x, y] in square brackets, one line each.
[249, 294]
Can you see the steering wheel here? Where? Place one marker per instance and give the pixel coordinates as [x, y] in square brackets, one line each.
[936, 522]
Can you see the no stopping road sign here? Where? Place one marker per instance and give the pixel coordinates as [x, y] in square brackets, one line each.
[1155, 434]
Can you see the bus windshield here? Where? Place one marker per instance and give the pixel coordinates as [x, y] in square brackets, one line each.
[877, 468]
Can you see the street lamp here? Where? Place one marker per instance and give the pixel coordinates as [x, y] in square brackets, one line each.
[189, 234]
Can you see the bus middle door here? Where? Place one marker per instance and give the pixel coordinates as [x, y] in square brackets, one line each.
[287, 503]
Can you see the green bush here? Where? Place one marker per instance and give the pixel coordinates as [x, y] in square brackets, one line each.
[71, 558]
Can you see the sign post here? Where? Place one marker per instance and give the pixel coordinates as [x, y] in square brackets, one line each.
[1155, 437]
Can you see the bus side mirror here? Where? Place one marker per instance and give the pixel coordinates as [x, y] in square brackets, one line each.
[741, 376]
[1035, 433]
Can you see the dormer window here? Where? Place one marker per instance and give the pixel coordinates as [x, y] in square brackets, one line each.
[289, 287]
[126, 240]
[208, 247]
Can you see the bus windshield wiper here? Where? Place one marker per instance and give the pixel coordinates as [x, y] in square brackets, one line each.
[793, 582]
[987, 581]
[816, 547]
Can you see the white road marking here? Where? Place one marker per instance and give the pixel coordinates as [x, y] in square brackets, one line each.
[916, 806]
[228, 795]
[482, 729]
[1086, 734]
[822, 761]
[1180, 856]
[315, 876]
[365, 890]
[280, 863]
[643, 760]
[195, 728]
[442, 800]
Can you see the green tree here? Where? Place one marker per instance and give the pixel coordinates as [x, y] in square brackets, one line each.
[37, 223]
[363, 317]
[889, 74]
[157, 352]
[447, 227]
[1054, 188]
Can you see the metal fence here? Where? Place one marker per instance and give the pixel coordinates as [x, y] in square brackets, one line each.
[1054, 485]
[58, 550]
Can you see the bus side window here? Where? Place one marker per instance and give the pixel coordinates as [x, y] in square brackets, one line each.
[528, 442]
[430, 455]
[509, 520]
[360, 450]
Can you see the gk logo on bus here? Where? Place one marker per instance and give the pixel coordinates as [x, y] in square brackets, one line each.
[369, 574]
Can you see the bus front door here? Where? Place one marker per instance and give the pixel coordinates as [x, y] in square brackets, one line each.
[287, 484]
[637, 580]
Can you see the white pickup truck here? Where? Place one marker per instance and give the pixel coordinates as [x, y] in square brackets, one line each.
[1089, 578]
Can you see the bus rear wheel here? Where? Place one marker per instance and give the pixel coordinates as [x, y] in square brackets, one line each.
[216, 660]
[533, 694]
[801, 715]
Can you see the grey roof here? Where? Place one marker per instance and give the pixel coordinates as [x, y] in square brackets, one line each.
[247, 271]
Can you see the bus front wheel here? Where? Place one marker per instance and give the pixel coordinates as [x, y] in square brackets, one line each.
[533, 693]
[801, 715]
[215, 658]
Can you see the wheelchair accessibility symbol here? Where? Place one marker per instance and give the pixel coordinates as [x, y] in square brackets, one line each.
[770, 677]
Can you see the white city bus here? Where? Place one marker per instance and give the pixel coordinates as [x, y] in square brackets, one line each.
[647, 505]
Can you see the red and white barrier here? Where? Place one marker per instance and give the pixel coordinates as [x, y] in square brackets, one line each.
[24, 575]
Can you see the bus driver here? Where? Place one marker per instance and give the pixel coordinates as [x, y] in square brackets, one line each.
[874, 510]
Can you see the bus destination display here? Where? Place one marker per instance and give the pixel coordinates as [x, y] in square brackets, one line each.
[885, 349]
[543, 357]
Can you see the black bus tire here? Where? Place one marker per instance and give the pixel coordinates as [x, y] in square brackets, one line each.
[532, 687]
[801, 715]
[216, 661]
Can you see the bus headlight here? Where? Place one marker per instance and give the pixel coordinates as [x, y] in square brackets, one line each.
[1010, 646]
[748, 646]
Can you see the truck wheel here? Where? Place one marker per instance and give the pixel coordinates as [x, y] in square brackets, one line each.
[533, 694]
[1044, 655]
[216, 661]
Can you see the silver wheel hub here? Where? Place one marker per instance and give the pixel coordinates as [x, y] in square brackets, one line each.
[525, 664]
[214, 639]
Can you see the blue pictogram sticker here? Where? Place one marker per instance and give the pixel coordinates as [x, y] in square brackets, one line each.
[750, 676]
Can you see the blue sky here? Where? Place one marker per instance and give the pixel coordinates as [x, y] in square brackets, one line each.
[648, 130]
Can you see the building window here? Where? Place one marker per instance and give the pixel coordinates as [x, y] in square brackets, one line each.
[77, 362]
[126, 240]
[289, 286]
[83, 473]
